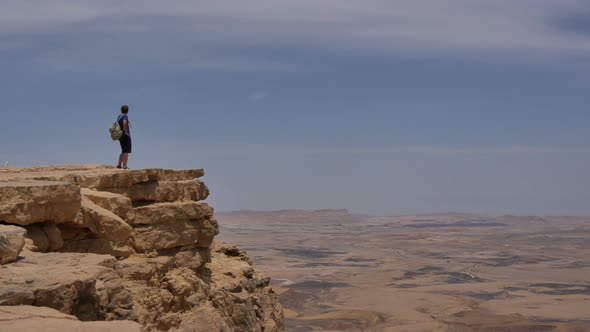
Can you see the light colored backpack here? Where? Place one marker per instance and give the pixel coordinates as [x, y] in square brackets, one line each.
[115, 130]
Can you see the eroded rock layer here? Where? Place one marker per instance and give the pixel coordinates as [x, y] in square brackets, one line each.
[103, 244]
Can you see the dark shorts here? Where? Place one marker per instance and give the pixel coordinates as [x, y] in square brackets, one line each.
[125, 141]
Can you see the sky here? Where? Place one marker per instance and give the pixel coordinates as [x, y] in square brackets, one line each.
[384, 107]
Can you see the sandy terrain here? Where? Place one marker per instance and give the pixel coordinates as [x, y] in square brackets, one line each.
[446, 272]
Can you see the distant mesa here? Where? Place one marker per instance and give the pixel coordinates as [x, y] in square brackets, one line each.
[293, 214]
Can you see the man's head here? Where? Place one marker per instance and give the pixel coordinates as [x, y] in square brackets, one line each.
[124, 109]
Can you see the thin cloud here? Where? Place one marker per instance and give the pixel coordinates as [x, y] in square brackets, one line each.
[177, 33]
[238, 148]
[259, 95]
[240, 65]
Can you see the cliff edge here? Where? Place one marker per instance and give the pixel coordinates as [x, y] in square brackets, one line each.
[96, 248]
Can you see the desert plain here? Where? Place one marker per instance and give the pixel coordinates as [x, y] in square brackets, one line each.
[335, 271]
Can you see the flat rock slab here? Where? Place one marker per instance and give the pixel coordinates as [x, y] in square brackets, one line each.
[25, 202]
[35, 319]
[53, 280]
[168, 213]
[118, 204]
[104, 223]
[198, 233]
[97, 176]
[169, 191]
[179, 175]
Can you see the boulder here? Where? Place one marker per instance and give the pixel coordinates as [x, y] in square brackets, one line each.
[167, 213]
[40, 240]
[45, 237]
[169, 191]
[34, 319]
[104, 223]
[53, 233]
[118, 204]
[26, 202]
[12, 241]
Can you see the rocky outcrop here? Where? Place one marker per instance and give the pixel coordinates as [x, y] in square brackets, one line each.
[104, 244]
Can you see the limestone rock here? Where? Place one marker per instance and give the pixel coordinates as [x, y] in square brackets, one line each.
[12, 241]
[106, 179]
[114, 179]
[118, 204]
[64, 281]
[30, 201]
[104, 223]
[180, 175]
[168, 213]
[254, 305]
[198, 233]
[204, 319]
[35, 319]
[53, 236]
[99, 246]
[45, 237]
[143, 268]
[193, 258]
[37, 235]
[73, 232]
[169, 191]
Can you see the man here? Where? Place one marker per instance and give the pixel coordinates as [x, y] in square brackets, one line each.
[125, 139]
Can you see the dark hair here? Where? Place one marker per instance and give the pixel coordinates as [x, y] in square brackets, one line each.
[124, 109]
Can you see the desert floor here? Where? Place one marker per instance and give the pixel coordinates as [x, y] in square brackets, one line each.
[446, 272]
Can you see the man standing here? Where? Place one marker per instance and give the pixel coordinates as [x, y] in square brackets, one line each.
[125, 139]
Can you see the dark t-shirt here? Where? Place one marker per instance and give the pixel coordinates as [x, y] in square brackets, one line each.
[125, 117]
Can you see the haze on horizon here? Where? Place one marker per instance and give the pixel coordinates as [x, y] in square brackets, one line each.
[381, 107]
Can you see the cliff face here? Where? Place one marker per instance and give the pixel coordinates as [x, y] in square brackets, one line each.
[95, 243]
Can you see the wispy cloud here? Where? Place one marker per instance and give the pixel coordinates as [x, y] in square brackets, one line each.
[499, 30]
[237, 148]
[259, 95]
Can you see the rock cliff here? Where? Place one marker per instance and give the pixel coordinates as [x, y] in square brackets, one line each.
[91, 247]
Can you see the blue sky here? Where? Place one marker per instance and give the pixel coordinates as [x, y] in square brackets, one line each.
[382, 107]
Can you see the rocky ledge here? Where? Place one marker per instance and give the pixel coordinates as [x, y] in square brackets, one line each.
[91, 247]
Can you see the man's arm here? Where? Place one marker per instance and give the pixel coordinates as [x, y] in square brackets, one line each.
[125, 127]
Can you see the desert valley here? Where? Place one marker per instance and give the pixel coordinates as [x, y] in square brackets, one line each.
[443, 272]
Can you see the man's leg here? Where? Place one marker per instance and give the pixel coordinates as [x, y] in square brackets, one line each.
[125, 157]
[120, 160]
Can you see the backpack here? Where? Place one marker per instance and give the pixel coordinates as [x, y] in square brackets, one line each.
[115, 130]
